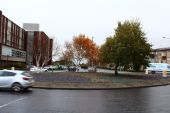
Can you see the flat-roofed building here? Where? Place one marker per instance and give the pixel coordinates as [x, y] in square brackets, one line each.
[39, 48]
[31, 26]
[161, 55]
[19, 46]
[39, 45]
[12, 42]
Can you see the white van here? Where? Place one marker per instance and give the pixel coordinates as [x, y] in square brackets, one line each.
[158, 67]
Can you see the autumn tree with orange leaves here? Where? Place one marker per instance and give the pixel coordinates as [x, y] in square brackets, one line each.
[83, 48]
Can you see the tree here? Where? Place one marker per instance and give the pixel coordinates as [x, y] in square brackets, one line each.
[93, 53]
[55, 52]
[42, 55]
[128, 46]
[67, 55]
[37, 57]
[37, 53]
[82, 47]
[85, 48]
[106, 50]
[80, 44]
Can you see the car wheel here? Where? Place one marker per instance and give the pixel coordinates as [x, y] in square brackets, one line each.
[16, 87]
[26, 89]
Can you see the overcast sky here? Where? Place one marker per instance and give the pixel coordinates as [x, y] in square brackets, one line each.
[94, 18]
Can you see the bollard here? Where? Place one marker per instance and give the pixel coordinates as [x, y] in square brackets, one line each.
[12, 68]
[164, 73]
[146, 71]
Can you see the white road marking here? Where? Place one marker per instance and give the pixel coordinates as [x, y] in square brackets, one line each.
[14, 101]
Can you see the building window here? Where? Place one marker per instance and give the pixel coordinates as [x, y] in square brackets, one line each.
[20, 39]
[9, 33]
[4, 38]
[1, 30]
[20, 54]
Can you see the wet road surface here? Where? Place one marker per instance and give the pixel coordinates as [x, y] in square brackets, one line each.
[143, 100]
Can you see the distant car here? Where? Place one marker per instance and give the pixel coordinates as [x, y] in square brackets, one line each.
[38, 69]
[62, 67]
[72, 68]
[158, 67]
[92, 69]
[50, 68]
[15, 80]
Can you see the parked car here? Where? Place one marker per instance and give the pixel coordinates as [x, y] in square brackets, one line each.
[38, 69]
[62, 67]
[92, 69]
[15, 80]
[158, 67]
[51, 68]
[72, 68]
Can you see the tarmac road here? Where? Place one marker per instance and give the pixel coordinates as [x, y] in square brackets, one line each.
[142, 100]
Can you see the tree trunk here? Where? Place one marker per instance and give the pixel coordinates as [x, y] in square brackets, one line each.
[116, 72]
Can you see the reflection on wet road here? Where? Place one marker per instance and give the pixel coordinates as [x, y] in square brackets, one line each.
[143, 100]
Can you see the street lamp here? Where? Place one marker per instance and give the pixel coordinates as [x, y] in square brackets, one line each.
[165, 37]
[92, 39]
[7, 58]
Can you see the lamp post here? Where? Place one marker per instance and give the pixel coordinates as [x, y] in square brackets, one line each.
[92, 56]
[167, 51]
[165, 38]
[92, 38]
[7, 59]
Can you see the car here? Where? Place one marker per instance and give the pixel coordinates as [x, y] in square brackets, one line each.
[72, 68]
[38, 69]
[92, 69]
[62, 67]
[158, 67]
[15, 80]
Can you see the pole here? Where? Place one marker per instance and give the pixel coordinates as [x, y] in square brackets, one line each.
[7, 60]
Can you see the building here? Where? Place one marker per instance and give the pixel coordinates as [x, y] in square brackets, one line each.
[12, 42]
[20, 46]
[39, 46]
[40, 51]
[31, 26]
[161, 55]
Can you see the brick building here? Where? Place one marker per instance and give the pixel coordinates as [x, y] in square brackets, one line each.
[12, 42]
[42, 48]
[18, 46]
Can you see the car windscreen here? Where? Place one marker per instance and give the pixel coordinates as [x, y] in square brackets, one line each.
[150, 65]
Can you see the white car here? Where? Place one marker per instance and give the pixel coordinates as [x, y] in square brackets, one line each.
[15, 80]
[158, 67]
[38, 69]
